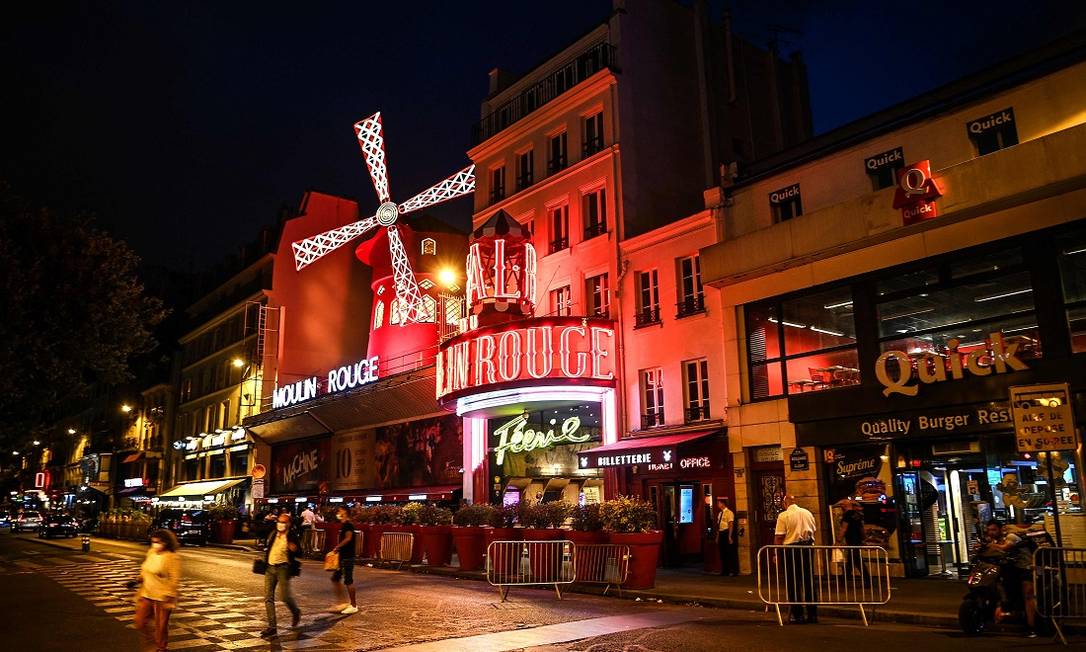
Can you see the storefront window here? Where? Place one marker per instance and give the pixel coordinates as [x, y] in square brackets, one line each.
[1072, 257]
[802, 344]
[191, 470]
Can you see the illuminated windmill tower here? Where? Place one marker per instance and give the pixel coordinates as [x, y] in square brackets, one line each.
[403, 326]
[501, 271]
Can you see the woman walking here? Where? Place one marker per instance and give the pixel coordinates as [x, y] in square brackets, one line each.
[160, 583]
[281, 559]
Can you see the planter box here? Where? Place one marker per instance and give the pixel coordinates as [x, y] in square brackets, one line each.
[545, 562]
[331, 535]
[372, 540]
[505, 563]
[584, 538]
[436, 544]
[470, 544]
[644, 555]
[223, 531]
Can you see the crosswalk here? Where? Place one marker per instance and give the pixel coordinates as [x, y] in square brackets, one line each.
[43, 562]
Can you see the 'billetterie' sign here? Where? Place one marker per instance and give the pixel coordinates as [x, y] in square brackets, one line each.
[573, 350]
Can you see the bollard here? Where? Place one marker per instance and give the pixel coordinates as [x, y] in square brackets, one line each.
[86, 542]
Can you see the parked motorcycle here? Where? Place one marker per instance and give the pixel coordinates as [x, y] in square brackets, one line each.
[988, 587]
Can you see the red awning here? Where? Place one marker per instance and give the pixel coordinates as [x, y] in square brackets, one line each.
[134, 457]
[658, 453]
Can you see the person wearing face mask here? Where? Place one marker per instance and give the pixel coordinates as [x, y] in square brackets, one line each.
[281, 557]
[159, 585]
[345, 572]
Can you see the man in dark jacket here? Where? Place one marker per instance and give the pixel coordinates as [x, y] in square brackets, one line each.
[853, 522]
[281, 555]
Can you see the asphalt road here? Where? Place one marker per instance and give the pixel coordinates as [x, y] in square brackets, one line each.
[61, 599]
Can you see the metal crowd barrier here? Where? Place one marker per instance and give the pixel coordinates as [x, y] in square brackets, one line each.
[313, 543]
[823, 575]
[524, 563]
[602, 563]
[396, 547]
[1059, 583]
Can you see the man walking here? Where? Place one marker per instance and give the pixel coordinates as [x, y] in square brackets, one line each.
[345, 572]
[796, 529]
[725, 538]
[281, 556]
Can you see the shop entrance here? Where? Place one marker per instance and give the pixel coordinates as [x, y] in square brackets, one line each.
[767, 493]
[681, 511]
[949, 490]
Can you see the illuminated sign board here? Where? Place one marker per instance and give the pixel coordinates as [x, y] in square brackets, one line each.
[897, 377]
[514, 437]
[348, 376]
[916, 193]
[133, 482]
[573, 350]
[1043, 418]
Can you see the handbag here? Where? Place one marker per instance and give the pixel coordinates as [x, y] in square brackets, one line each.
[331, 561]
[259, 566]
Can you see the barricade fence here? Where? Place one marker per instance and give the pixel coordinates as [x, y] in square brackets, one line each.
[810, 576]
[1059, 584]
[396, 547]
[524, 563]
[313, 543]
[601, 563]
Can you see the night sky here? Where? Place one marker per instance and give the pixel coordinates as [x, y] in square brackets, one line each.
[185, 125]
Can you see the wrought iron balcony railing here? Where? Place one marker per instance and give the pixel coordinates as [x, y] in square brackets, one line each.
[690, 305]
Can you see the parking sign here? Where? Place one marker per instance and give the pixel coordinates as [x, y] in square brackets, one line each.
[1043, 418]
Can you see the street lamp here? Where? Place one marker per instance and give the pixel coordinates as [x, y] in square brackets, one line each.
[238, 363]
[71, 431]
[126, 408]
[447, 276]
[37, 443]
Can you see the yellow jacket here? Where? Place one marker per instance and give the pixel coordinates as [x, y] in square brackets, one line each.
[161, 575]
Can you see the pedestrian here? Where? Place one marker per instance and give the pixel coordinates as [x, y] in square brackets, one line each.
[796, 530]
[159, 585]
[725, 538]
[281, 557]
[345, 573]
[1019, 572]
[852, 524]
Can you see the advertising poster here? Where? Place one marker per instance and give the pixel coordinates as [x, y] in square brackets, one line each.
[353, 464]
[421, 453]
[300, 467]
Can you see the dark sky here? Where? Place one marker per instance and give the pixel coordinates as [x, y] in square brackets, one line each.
[185, 125]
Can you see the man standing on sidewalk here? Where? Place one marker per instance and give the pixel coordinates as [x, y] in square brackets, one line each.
[796, 529]
[725, 537]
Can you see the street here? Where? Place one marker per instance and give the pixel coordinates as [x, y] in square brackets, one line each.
[54, 595]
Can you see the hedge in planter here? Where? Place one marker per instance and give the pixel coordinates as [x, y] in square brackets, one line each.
[435, 530]
[631, 521]
[224, 519]
[408, 521]
[382, 518]
[469, 534]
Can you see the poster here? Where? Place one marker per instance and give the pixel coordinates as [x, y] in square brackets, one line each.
[422, 453]
[353, 463]
[300, 466]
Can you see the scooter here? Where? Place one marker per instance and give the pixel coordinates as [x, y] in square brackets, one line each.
[977, 610]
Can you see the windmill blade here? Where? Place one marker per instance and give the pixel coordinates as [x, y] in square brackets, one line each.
[309, 250]
[408, 296]
[458, 184]
[372, 140]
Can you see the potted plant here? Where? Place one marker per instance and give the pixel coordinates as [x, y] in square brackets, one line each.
[469, 534]
[435, 531]
[362, 517]
[408, 521]
[586, 525]
[223, 518]
[542, 520]
[383, 518]
[631, 521]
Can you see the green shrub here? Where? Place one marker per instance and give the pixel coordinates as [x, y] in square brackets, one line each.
[505, 516]
[410, 513]
[586, 518]
[628, 514]
[222, 512]
[385, 514]
[431, 514]
[475, 515]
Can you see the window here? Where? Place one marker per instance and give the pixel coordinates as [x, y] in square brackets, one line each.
[224, 414]
[378, 314]
[648, 298]
[786, 203]
[239, 462]
[218, 464]
[453, 310]
[497, 184]
[882, 168]
[186, 389]
[191, 470]
[993, 132]
[594, 212]
[559, 222]
[525, 169]
[561, 302]
[429, 247]
[599, 296]
[802, 344]
[394, 311]
[211, 418]
[652, 397]
[429, 309]
[556, 153]
[691, 293]
[593, 134]
[1072, 257]
[696, 378]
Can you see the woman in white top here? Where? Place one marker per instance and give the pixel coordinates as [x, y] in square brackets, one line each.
[159, 585]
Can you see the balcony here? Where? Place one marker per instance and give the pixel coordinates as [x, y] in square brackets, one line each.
[647, 317]
[592, 146]
[652, 420]
[690, 305]
[524, 180]
[559, 245]
[566, 76]
[696, 413]
[603, 312]
[594, 229]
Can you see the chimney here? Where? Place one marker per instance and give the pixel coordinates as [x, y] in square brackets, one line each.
[499, 80]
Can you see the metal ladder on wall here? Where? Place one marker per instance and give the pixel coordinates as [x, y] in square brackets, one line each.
[265, 322]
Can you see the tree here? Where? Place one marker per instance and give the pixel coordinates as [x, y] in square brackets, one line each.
[73, 312]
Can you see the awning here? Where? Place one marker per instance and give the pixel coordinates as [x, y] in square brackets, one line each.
[134, 491]
[660, 453]
[197, 490]
[134, 457]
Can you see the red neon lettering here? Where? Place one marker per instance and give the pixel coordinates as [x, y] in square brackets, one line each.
[509, 356]
[476, 285]
[484, 356]
[501, 284]
[529, 272]
[544, 355]
[599, 352]
[563, 348]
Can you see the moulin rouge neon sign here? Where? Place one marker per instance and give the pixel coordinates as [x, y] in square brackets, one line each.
[562, 348]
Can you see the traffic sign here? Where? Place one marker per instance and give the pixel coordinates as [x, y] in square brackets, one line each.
[1043, 418]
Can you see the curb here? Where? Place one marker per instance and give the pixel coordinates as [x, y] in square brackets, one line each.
[874, 613]
[232, 546]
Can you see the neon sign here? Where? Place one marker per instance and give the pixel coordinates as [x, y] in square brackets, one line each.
[348, 376]
[931, 367]
[916, 193]
[565, 348]
[513, 437]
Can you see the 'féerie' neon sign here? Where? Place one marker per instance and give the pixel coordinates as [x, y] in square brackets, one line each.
[513, 437]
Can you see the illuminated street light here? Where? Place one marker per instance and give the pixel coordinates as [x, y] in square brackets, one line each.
[126, 408]
[447, 276]
[37, 443]
[71, 431]
[238, 363]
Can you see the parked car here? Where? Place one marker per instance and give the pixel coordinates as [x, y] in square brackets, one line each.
[5, 521]
[27, 521]
[191, 526]
[58, 524]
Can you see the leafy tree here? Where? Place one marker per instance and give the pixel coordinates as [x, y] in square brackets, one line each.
[72, 314]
